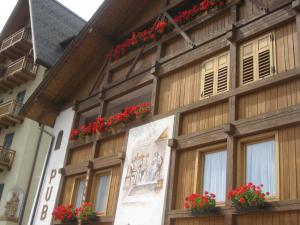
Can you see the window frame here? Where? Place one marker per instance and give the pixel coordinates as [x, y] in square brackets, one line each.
[95, 185]
[200, 164]
[242, 160]
[76, 186]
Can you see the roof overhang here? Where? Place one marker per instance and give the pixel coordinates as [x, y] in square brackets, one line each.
[81, 57]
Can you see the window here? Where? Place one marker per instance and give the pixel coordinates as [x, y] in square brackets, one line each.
[79, 188]
[261, 165]
[1, 190]
[215, 75]
[8, 140]
[257, 59]
[214, 178]
[20, 96]
[59, 140]
[102, 192]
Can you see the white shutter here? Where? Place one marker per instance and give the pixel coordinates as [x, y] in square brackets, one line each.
[208, 78]
[247, 64]
[264, 48]
[257, 59]
[222, 79]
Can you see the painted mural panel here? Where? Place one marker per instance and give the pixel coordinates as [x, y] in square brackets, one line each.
[145, 174]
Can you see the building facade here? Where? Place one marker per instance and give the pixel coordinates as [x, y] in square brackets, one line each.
[24, 64]
[230, 79]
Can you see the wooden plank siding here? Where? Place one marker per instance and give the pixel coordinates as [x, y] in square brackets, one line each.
[80, 154]
[186, 176]
[110, 146]
[269, 100]
[180, 88]
[251, 9]
[204, 118]
[286, 42]
[120, 72]
[289, 162]
[286, 218]
[146, 60]
[198, 34]
[215, 220]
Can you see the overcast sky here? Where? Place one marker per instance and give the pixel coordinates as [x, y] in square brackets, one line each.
[85, 8]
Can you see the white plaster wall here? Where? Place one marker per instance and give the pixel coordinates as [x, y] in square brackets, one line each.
[63, 122]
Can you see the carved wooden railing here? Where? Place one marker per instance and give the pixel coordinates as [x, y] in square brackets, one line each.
[6, 157]
[23, 34]
[11, 107]
[21, 64]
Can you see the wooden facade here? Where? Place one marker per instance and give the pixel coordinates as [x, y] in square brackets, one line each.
[222, 113]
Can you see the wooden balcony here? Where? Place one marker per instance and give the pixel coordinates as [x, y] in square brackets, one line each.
[9, 113]
[6, 158]
[17, 44]
[16, 73]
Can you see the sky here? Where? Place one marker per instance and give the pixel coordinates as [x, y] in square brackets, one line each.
[84, 9]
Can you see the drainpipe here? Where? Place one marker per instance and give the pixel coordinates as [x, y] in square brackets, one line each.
[42, 130]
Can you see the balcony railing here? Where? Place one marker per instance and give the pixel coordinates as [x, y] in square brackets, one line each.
[6, 158]
[16, 73]
[9, 113]
[16, 44]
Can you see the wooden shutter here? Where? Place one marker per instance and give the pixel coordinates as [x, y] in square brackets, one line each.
[222, 79]
[257, 59]
[247, 63]
[264, 56]
[208, 78]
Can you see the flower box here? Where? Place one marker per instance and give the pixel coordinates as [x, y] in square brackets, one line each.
[162, 27]
[213, 211]
[248, 197]
[112, 124]
[201, 204]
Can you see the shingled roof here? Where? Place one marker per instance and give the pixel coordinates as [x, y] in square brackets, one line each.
[51, 24]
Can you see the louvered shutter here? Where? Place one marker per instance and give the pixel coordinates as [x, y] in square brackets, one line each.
[208, 78]
[247, 63]
[264, 56]
[222, 79]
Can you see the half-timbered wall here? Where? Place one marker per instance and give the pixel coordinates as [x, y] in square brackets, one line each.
[171, 74]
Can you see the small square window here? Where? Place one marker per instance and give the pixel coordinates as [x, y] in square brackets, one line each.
[1, 190]
[21, 96]
[8, 140]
